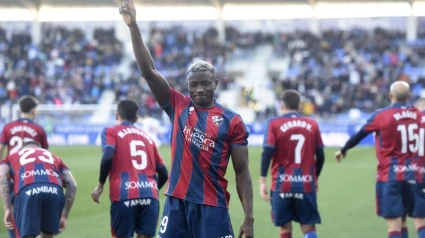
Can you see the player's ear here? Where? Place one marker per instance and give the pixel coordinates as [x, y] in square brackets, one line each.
[116, 116]
[216, 83]
[136, 119]
[390, 96]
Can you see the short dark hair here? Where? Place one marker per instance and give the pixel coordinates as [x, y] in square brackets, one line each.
[27, 103]
[31, 142]
[291, 99]
[201, 66]
[128, 110]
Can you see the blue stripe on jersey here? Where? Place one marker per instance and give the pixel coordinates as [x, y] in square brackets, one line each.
[295, 186]
[177, 157]
[125, 177]
[266, 135]
[144, 192]
[409, 174]
[196, 182]
[103, 137]
[21, 181]
[278, 187]
[40, 178]
[215, 163]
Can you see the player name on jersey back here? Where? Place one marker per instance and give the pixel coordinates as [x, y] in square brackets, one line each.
[23, 128]
[132, 130]
[405, 114]
[296, 123]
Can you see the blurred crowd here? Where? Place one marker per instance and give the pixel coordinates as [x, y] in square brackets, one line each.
[334, 72]
[340, 70]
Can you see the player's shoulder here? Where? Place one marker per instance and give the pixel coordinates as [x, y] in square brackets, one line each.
[226, 112]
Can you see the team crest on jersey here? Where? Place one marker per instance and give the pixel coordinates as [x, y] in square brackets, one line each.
[217, 120]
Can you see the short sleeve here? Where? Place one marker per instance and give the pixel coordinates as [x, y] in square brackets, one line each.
[373, 123]
[238, 134]
[177, 99]
[108, 138]
[62, 166]
[269, 136]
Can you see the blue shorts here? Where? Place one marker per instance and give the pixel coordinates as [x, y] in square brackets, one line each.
[38, 208]
[298, 207]
[136, 215]
[399, 198]
[184, 219]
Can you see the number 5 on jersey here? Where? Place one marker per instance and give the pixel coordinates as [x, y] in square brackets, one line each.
[136, 153]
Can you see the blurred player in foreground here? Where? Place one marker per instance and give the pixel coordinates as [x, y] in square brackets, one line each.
[40, 205]
[131, 160]
[396, 135]
[16, 133]
[294, 145]
[205, 135]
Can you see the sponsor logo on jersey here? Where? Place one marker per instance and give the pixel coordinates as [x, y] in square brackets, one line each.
[296, 178]
[38, 172]
[408, 168]
[198, 138]
[292, 195]
[140, 184]
[136, 202]
[42, 189]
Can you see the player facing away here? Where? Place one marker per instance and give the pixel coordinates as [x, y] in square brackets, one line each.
[396, 142]
[16, 133]
[294, 146]
[204, 136]
[132, 161]
[40, 206]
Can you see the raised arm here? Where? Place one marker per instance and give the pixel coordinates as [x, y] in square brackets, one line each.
[157, 83]
[244, 187]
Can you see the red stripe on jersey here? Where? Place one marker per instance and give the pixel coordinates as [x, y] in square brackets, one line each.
[186, 165]
[154, 190]
[223, 166]
[210, 195]
[286, 186]
[400, 176]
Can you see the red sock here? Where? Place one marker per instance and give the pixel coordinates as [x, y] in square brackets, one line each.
[286, 235]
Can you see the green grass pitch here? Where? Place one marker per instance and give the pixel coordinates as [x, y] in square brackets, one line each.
[346, 197]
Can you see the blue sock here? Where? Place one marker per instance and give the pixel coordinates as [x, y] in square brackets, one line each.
[395, 234]
[404, 232]
[310, 234]
[421, 232]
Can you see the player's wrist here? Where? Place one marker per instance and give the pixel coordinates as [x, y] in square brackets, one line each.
[249, 219]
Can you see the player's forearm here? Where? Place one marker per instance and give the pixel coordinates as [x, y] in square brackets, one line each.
[5, 191]
[141, 52]
[71, 191]
[266, 158]
[105, 165]
[320, 160]
[244, 188]
[354, 140]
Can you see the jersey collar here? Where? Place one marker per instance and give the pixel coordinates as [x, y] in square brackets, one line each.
[127, 123]
[291, 114]
[25, 119]
[399, 105]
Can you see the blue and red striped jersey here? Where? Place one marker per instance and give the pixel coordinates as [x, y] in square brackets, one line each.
[420, 164]
[34, 165]
[201, 140]
[134, 165]
[294, 138]
[396, 140]
[16, 133]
